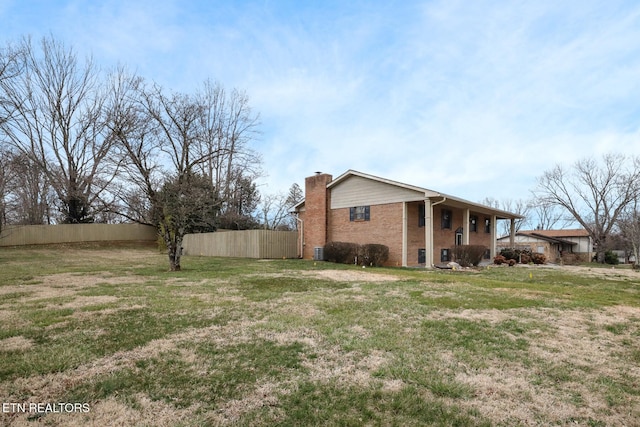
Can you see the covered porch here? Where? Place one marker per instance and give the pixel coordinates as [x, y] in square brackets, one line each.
[433, 226]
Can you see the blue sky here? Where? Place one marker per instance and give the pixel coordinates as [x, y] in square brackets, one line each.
[474, 99]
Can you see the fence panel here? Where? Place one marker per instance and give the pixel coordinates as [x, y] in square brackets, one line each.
[259, 244]
[74, 233]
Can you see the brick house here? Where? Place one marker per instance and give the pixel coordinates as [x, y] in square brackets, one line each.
[554, 244]
[420, 226]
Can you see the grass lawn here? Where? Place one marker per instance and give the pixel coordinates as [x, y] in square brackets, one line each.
[303, 343]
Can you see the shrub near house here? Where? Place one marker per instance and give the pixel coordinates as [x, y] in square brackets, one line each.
[523, 256]
[371, 254]
[467, 255]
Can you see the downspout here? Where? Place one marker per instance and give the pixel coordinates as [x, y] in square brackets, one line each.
[301, 234]
[404, 234]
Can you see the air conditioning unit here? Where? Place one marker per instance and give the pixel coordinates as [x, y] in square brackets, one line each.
[318, 253]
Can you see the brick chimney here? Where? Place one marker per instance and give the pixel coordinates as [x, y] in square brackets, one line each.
[316, 203]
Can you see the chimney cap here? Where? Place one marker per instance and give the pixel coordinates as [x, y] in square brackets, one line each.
[318, 172]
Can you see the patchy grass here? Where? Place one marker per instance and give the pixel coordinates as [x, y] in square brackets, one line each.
[289, 342]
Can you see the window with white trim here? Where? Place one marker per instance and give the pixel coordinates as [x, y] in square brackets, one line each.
[360, 213]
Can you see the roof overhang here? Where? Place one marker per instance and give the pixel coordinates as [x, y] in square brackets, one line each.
[545, 238]
[428, 194]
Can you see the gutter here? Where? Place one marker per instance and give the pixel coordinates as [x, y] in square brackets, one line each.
[444, 199]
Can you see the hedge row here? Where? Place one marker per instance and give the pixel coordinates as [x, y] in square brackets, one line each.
[371, 254]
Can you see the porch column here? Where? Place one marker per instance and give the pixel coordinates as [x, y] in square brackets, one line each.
[465, 227]
[512, 233]
[428, 233]
[494, 242]
[404, 234]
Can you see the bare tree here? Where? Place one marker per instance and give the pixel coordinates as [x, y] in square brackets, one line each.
[594, 193]
[273, 210]
[9, 68]
[520, 207]
[30, 195]
[5, 177]
[54, 116]
[629, 225]
[165, 143]
[547, 216]
[276, 209]
[228, 125]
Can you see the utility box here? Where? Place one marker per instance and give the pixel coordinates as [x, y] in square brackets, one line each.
[318, 253]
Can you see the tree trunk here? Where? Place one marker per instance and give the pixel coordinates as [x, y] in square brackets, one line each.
[601, 248]
[174, 257]
[174, 250]
[172, 253]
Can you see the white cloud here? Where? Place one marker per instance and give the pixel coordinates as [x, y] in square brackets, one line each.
[470, 98]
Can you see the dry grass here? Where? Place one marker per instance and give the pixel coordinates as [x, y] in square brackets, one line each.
[553, 362]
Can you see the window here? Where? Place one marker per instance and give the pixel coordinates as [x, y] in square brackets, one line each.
[487, 254]
[360, 213]
[473, 223]
[446, 219]
[422, 256]
[444, 255]
[487, 225]
[421, 213]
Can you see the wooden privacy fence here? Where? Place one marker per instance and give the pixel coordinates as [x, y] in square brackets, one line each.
[260, 244]
[20, 235]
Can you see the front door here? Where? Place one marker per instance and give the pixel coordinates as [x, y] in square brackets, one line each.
[458, 241]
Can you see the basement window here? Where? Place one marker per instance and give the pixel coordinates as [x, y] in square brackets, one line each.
[360, 213]
[444, 255]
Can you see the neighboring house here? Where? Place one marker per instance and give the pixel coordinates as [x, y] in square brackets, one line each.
[420, 226]
[554, 244]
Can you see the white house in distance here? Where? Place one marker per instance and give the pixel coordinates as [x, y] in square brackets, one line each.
[554, 244]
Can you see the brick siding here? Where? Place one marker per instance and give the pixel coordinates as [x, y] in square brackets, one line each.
[445, 238]
[384, 227]
[317, 201]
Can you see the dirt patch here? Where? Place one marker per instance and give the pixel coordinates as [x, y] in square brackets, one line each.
[18, 343]
[11, 319]
[351, 276]
[86, 301]
[86, 315]
[65, 284]
[491, 316]
[613, 272]
[292, 307]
